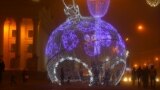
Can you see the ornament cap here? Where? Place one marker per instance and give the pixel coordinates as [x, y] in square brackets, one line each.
[98, 8]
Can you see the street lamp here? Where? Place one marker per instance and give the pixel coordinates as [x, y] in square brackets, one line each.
[140, 28]
[157, 61]
[135, 65]
[156, 58]
[127, 39]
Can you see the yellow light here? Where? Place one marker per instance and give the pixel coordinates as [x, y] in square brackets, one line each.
[156, 58]
[129, 79]
[125, 79]
[140, 28]
[145, 64]
[157, 79]
[127, 39]
[135, 65]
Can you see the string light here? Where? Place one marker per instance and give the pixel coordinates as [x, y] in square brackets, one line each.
[153, 3]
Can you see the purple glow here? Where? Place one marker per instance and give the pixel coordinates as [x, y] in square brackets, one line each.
[70, 40]
[87, 41]
[89, 49]
[98, 8]
[52, 48]
[93, 36]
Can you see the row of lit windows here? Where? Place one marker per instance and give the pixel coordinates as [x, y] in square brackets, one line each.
[30, 33]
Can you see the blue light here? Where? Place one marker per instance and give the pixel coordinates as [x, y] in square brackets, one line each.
[88, 40]
[70, 40]
[52, 47]
[92, 35]
[89, 37]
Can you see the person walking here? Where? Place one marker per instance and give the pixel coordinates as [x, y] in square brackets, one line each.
[2, 68]
[139, 76]
[133, 75]
[145, 76]
[152, 75]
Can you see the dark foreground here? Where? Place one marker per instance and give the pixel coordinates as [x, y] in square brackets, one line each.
[40, 82]
[72, 86]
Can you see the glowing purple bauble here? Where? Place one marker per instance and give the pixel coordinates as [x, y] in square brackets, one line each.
[92, 42]
[98, 8]
[86, 40]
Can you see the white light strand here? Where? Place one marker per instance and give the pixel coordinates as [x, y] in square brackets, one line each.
[70, 59]
[153, 3]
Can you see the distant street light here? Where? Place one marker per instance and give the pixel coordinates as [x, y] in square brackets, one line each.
[127, 39]
[140, 28]
[156, 58]
[145, 64]
[135, 65]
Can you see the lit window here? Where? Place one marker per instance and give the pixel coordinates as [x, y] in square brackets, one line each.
[14, 33]
[30, 33]
[30, 48]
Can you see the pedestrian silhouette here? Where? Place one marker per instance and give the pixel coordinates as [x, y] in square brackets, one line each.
[152, 75]
[2, 68]
[133, 75]
[145, 76]
[139, 76]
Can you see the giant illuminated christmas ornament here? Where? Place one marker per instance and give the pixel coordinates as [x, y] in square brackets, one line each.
[89, 41]
[153, 3]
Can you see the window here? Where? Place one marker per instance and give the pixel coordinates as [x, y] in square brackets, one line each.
[30, 48]
[14, 32]
[30, 33]
[13, 47]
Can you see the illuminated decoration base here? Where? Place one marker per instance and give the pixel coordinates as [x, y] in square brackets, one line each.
[153, 3]
[52, 66]
[92, 42]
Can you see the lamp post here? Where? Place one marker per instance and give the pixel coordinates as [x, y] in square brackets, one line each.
[157, 62]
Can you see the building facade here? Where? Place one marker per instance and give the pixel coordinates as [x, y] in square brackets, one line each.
[19, 34]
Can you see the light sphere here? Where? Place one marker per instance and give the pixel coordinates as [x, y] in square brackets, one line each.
[88, 41]
[153, 3]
